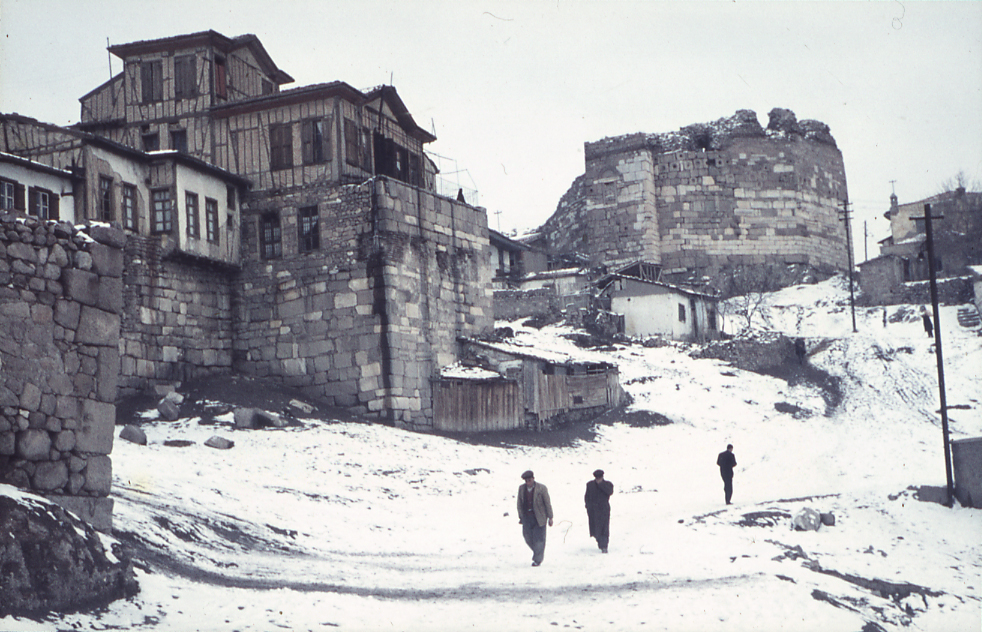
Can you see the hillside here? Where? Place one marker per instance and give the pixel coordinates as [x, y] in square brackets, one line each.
[336, 524]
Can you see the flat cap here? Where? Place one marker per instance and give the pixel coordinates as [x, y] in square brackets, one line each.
[528, 474]
[598, 474]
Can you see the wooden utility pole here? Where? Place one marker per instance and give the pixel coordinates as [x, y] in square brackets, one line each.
[937, 347]
[852, 296]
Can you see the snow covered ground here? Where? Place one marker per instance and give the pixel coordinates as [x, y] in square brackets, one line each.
[364, 527]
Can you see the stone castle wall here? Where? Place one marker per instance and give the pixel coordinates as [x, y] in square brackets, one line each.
[177, 316]
[60, 304]
[364, 321]
[709, 196]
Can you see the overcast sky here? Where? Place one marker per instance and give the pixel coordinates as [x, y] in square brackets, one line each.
[513, 89]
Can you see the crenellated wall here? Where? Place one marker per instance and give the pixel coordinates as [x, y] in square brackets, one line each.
[60, 304]
[709, 196]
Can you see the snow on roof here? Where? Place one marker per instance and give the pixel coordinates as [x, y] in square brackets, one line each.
[458, 371]
[526, 351]
[554, 274]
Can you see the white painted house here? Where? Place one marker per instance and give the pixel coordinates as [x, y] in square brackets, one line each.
[652, 308]
[35, 189]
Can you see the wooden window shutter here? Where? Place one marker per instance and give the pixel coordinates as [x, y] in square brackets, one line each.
[32, 201]
[306, 141]
[19, 198]
[54, 207]
[146, 80]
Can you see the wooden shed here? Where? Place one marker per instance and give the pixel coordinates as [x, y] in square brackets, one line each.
[510, 386]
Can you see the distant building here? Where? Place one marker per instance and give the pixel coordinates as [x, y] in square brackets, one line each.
[648, 307]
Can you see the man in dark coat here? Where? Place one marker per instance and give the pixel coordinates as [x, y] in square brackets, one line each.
[726, 462]
[534, 512]
[597, 499]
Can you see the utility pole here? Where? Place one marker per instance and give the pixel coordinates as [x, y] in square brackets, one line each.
[865, 242]
[937, 346]
[852, 296]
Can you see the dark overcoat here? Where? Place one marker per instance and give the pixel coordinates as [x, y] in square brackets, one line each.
[597, 500]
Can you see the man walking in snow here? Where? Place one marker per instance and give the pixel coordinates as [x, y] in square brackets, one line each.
[597, 499]
[534, 513]
[726, 462]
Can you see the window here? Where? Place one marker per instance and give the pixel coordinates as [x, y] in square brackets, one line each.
[711, 317]
[105, 210]
[270, 242]
[315, 141]
[163, 212]
[221, 84]
[211, 220]
[191, 205]
[280, 146]
[152, 80]
[42, 203]
[351, 143]
[309, 238]
[179, 140]
[185, 84]
[8, 189]
[151, 142]
[267, 86]
[129, 207]
[681, 313]
[230, 197]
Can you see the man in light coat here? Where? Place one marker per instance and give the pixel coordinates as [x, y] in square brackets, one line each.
[534, 513]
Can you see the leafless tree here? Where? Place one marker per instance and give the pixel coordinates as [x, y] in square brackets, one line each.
[746, 287]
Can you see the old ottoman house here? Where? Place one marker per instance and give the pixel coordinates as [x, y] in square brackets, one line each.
[354, 279]
[707, 198]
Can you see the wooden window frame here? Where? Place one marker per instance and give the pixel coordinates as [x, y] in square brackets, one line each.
[179, 140]
[151, 142]
[270, 236]
[315, 141]
[308, 229]
[211, 220]
[280, 146]
[8, 194]
[185, 77]
[681, 313]
[162, 211]
[191, 208]
[42, 203]
[221, 78]
[230, 197]
[152, 81]
[106, 210]
[131, 217]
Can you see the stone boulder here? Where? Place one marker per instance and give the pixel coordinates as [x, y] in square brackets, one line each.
[255, 418]
[54, 562]
[170, 406]
[133, 435]
[806, 520]
[219, 443]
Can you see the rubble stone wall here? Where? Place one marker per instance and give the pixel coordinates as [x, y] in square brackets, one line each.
[177, 316]
[60, 305]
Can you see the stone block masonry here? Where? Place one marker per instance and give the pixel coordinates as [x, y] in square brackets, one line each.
[176, 316]
[364, 320]
[60, 305]
[708, 197]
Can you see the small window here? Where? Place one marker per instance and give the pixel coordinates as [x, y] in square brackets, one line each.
[129, 207]
[267, 86]
[185, 84]
[179, 140]
[211, 220]
[42, 203]
[711, 317]
[191, 205]
[230, 197]
[309, 238]
[105, 199]
[356, 145]
[152, 80]
[270, 238]
[280, 146]
[221, 83]
[315, 141]
[681, 313]
[163, 211]
[7, 195]
[151, 142]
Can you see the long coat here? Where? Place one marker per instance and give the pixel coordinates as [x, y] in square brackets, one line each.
[540, 503]
[597, 500]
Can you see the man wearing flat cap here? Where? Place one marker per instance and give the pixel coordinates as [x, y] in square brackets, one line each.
[534, 513]
[597, 500]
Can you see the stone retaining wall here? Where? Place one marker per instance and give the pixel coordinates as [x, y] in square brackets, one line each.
[60, 304]
[177, 316]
